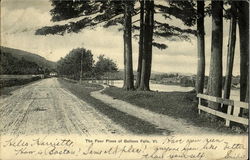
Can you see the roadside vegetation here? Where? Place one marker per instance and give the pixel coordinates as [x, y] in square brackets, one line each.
[6, 91]
[17, 80]
[175, 104]
[8, 85]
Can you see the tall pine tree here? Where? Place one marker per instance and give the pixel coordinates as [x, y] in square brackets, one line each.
[215, 74]
[243, 7]
[200, 77]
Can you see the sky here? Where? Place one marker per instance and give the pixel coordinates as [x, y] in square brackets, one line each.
[21, 18]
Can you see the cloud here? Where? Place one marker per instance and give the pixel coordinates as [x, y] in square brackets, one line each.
[176, 48]
[23, 20]
[42, 5]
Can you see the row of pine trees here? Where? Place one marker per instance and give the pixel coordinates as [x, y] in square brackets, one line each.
[139, 16]
[238, 13]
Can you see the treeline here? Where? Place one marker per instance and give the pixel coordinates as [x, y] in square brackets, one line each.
[189, 80]
[79, 64]
[147, 28]
[12, 65]
[165, 75]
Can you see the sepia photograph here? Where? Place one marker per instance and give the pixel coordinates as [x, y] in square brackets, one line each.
[124, 79]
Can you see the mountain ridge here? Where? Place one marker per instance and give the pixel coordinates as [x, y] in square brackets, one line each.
[41, 61]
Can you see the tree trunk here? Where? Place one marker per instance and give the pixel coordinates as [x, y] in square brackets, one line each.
[247, 94]
[151, 29]
[124, 61]
[230, 54]
[147, 45]
[243, 8]
[200, 77]
[128, 46]
[138, 77]
[215, 74]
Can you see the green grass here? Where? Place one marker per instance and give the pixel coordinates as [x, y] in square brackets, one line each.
[131, 123]
[175, 104]
[6, 91]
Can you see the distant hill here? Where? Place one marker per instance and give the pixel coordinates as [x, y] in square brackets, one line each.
[155, 73]
[20, 54]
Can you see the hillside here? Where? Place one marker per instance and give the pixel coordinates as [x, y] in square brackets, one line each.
[20, 54]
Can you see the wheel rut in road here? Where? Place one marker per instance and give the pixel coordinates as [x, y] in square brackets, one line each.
[45, 107]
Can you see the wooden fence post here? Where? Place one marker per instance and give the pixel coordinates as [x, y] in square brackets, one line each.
[229, 109]
[236, 111]
[199, 101]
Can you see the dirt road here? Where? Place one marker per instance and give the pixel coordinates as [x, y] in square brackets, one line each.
[45, 107]
[176, 126]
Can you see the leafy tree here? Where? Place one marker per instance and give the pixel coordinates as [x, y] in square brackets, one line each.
[104, 65]
[70, 65]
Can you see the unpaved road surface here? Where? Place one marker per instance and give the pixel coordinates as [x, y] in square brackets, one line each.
[45, 107]
[175, 126]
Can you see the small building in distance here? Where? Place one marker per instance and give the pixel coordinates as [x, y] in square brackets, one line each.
[53, 74]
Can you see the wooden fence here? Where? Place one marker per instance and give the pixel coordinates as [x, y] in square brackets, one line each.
[102, 81]
[233, 109]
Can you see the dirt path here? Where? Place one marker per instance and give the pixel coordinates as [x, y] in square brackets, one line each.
[177, 126]
[45, 107]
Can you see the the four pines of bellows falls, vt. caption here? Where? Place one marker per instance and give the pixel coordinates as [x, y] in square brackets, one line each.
[127, 147]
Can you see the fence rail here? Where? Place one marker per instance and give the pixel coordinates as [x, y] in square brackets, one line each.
[233, 109]
[102, 81]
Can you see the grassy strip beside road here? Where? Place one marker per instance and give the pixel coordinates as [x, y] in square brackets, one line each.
[175, 104]
[6, 91]
[17, 80]
[132, 124]
[10, 85]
